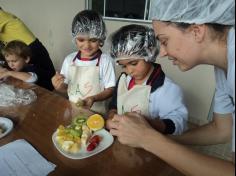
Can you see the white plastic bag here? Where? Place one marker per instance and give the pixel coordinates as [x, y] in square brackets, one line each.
[11, 96]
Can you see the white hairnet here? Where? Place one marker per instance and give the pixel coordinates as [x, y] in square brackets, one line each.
[134, 41]
[194, 11]
[89, 23]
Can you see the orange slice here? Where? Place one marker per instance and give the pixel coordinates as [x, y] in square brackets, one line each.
[95, 122]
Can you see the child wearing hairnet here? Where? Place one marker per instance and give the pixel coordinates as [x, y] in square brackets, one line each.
[87, 75]
[144, 87]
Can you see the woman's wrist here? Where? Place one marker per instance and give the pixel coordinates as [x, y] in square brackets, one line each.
[150, 135]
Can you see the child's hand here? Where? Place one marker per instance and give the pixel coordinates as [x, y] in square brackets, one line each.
[88, 102]
[80, 103]
[110, 117]
[3, 69]
[3, 73]
[58, 81]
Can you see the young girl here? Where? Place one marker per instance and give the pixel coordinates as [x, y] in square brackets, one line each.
[144, 88]
[17, 56]
[87, 75]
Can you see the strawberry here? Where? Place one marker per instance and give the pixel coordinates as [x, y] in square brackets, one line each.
[93, 142]
[91, 146]
[95, 139]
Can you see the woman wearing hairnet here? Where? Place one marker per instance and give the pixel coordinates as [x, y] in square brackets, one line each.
[191, 33]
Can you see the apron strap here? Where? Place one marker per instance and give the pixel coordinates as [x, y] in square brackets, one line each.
[157, 78]
[77, 56]
[156, 73]
[99, 58]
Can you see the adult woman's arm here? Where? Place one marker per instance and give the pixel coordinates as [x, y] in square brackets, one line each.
[137, 133]
[184, 159]
[216, 132]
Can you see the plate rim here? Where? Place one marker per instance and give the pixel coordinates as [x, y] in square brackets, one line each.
[67, 155]
[10, 126]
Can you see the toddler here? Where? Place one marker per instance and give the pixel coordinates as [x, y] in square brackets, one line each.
[17, 56]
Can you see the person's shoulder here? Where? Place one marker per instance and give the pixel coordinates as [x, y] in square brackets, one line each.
[171, 84]
[106, 57]
[71, 56]
[5, 15]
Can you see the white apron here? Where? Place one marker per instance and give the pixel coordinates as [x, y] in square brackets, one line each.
[84, 82]
[134, 100]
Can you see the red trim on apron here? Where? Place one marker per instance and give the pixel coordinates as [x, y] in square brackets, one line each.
[154, 77]
[97, 56]
[131, 84]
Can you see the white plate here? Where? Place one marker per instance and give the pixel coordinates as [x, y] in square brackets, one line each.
[107, 140]
[7, 126]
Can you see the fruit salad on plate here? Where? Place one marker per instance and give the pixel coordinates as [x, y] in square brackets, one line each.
[80, 134]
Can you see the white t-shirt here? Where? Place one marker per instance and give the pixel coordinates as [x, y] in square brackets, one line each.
[167, 102]
[225, 85]
[106, 68]
[33, 78]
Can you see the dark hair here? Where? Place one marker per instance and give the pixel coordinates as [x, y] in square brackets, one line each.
[17, 48]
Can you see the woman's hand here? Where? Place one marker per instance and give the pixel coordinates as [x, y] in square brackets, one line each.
[130, 129]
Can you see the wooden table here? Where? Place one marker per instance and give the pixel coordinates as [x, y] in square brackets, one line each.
[37, 122]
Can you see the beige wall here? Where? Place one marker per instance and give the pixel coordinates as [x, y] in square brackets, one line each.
[50, 21]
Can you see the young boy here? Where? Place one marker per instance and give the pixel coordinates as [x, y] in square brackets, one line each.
[12, 28]
[17, 56]
[144, 88]
[87, 75]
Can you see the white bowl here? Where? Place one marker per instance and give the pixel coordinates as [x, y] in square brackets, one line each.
[7, 126]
